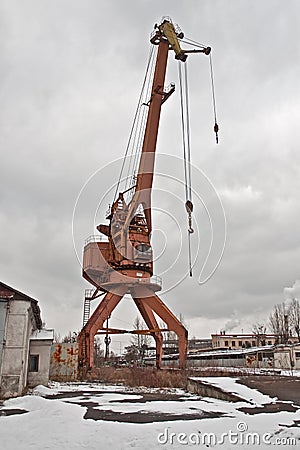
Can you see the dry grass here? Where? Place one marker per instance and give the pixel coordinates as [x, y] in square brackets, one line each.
[163, 378]
[219, 372]
[137, 376]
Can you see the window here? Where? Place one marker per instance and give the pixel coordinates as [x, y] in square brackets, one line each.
[226, 343]
[240, 343]
[269, 342]
[297, 354]
[253, 344]
[33, 363]
[143, 247]
[233, 343]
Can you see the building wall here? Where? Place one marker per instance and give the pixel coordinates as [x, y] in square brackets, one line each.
[287, 357]
[282, 359]
[3, 314]
[254, 359]
[243, 362]
[19, 326]
[64, 361]
[239, 341]
[42, 348]
[297, 357]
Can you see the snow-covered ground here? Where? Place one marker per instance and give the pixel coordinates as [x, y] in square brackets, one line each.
[58, 423]
[230, 385]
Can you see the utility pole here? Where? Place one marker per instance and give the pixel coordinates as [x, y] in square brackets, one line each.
[286, 328]
[107, 341]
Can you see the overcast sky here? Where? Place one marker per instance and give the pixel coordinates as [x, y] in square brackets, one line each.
[71, 73]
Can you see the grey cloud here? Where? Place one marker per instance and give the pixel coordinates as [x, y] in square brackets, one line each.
[70, 79]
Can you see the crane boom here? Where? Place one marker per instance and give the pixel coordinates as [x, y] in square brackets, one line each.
[166, 36]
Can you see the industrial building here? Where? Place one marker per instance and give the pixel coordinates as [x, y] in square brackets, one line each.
[238, 341]
[24, 344]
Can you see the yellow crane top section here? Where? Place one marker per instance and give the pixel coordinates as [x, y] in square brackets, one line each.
[167, 28]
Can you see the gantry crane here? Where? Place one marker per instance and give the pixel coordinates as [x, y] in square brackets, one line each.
[124, 263]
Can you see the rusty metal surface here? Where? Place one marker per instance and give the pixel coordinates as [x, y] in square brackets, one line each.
[64, 361]
[124, 263]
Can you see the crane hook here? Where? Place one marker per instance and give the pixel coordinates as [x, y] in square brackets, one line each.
[189, 208]
[216, 130]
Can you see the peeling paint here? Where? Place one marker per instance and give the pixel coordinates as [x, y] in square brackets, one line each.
[64, 361]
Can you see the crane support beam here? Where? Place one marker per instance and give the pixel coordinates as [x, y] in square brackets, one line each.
[154, 303]
[88, 332]
[120, 331]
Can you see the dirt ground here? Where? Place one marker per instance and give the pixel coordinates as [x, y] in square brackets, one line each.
[284, 388]
[92, 411]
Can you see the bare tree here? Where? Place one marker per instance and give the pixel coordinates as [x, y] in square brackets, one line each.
[57, 337]
[98, 352]
[131, 353]
[71, 337]
[294, 317]
[139, 341]
[279, 322]
[259, 330]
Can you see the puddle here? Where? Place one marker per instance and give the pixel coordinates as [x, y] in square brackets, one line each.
[11, 412]
[145, 417]
[270, 408]
[133, 417]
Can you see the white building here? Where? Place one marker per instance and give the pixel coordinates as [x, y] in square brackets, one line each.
[39, 357]
[20, 320]
[287, 357]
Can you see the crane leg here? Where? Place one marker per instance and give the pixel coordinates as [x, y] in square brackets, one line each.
[156, 305]
[151, 323]
[87, 334]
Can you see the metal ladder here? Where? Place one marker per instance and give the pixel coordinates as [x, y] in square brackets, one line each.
[87, 305]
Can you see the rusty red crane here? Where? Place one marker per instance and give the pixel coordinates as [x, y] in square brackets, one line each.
[124, 263]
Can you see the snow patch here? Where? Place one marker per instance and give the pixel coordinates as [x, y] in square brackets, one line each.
[231, 386]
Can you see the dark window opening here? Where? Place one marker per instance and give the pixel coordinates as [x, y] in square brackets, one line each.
[34, 363]
[233, 343]
[143, 247]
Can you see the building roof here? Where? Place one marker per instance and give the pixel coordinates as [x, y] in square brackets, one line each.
[281, 347]
[242, 335]
[43, 334]
[241, 351]
[8, 292]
